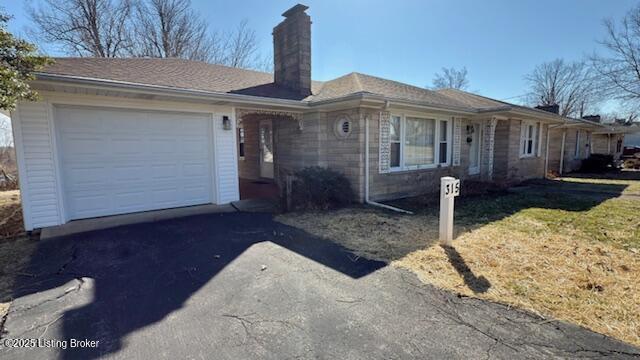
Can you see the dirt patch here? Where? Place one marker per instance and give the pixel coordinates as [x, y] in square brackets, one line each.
[15, 247]
[558, 256]
[11, 225]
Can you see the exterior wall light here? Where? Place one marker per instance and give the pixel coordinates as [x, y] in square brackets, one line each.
[226, 122]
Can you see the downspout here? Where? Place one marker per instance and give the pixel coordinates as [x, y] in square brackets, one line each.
[609, 144]
[366, 173]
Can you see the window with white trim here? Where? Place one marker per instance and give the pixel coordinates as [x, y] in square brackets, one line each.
[394, 139]
[529, 138]
[418, 142]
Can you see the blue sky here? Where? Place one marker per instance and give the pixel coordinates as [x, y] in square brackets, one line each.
[499, 41]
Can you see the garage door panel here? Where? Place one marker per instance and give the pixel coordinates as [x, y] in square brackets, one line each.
[195, 169]
[90, 175]
[128, 173]
[119, 161]
[88, 202]
[166, 196]
[163, 145]
[194, 145]
[82, 145]
[127, 146]
[130, 200]
[164, 171]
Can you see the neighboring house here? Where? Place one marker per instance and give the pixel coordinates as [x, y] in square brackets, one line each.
[576, 139]
[114, 136]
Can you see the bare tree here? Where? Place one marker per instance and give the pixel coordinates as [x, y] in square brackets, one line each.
[171, 29]
[572, 86]
[619, 68]
[145, 28]
[84, 27]
[451, 78]
[241, 46]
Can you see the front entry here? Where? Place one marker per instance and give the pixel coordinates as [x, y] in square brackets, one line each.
[473, 133]
[266, 149]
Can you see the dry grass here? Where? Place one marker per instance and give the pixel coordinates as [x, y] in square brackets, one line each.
[11, 224]
[15, 247]
[561, 256]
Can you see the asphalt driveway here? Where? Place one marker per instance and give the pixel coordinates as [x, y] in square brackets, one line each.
[238, 285]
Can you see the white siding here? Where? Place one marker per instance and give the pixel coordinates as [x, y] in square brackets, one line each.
[36, 149]
[34, 144]
[226, 160]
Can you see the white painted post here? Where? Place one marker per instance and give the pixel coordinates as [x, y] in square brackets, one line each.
[449, 189]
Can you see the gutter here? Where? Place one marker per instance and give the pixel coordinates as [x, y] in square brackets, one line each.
[366, 174]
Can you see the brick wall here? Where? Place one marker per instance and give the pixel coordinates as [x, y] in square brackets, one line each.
[249, 167]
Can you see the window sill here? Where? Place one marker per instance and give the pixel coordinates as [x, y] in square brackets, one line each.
[527, 156]
[423, 168]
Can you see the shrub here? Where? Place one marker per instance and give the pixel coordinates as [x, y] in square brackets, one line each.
[320, 188]
[597, 163]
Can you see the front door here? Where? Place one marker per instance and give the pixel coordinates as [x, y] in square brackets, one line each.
[266, 149]
[473, 133]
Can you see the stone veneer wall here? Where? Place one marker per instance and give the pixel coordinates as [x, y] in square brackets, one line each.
[600, 144]
[317, 145]
[555, 148]
[501, 150]
[401, 184]
[509, 168]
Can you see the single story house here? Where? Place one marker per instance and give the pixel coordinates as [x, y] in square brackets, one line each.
[115, 136]
[576, 139]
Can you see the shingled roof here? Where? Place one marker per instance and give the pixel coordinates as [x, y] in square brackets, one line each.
[197, 75]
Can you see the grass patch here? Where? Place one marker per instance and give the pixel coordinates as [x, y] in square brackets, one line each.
[567, 256]
[629, 179]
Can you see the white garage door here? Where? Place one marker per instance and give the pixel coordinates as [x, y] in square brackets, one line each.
[122, 161]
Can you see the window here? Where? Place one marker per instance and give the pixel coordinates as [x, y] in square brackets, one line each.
[587, 146]
[241, 142]
[529, 138]
[576, 152]
[417, 143]
[444, 142]
[619, 145]
[394, 136]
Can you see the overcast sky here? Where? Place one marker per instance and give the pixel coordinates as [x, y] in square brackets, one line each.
[498, 41]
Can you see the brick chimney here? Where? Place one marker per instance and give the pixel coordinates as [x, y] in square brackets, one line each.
[553, 108]
[292, 50]
[594, 118]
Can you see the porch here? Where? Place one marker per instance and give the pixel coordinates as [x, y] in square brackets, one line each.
[265, 153]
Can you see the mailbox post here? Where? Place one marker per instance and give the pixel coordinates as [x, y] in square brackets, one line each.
[449, 189]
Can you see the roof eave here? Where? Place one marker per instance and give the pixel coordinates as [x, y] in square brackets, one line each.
[170, 91]
[388, 101]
